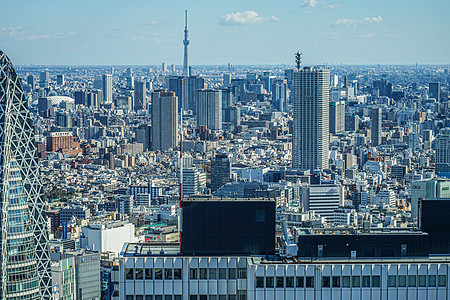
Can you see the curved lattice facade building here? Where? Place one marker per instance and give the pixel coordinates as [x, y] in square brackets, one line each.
[25, 263]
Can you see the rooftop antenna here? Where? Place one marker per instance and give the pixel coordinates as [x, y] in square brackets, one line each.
[298, 59]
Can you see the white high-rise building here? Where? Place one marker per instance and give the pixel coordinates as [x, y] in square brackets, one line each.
[209, 109]
[322, 199]
[107, 87]
[194, 180]
[311, 120]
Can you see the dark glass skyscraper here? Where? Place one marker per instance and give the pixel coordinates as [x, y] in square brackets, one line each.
[25, 263]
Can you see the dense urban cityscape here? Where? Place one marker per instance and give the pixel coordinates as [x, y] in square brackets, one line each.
[225, 182]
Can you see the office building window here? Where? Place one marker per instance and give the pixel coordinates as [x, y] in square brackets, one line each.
[269, 282]
[402, 280]
[203, 273]
[158, 297]
[392, 281]
[212, 297]
[139, 273]
[300, 282]
[411, 280]
[177, 297]
[326, 281]
[231, 297]
[158, 273]
[376, 281]
[289, 281]
[431, 280]
[212, 273]
[280, 282]
[242, 273]
[129, 273]
[259, 281]
[192, 273]
[346, 281]
[139, 297]
[442, 281]
[356, 281]
[168, 297]
[222, 273]
[336, 281]
[366, 281]
[148, 273]
[167, 273]
[177, 273]
[149, 297]
[422, 280]
[203, 297]
[232, 273]
[130, 297]
[193, 297]
[309, 282]
[222, 297]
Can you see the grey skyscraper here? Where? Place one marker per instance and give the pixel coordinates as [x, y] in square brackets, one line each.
[220, 171]
[44, 79]
[209, 109]
[279, 94]
[311, 121]
[140, 96]
[186, 44]
[25, 270]
[375, 116]
[435, 90]
[337, 117]
[107, 87]
[442, 147]
[193, 84]
[164, 120]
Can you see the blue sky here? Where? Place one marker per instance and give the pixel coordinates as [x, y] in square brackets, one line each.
[139, 32]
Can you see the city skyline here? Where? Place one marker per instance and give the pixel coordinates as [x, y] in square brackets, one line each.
[346, 31]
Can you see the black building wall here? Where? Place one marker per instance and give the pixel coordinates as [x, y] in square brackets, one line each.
[365, 245]
[435, 220]
[222, 227]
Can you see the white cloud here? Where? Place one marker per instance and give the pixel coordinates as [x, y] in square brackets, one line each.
[315, 3]
[11, 31]
[355, 23]
[49, 36]
[365, 36]
[245, 18]
[335, 5]
[309, 3]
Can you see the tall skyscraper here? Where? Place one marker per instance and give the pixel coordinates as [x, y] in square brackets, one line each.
[220, 171]
[164, 120]
[375, 116]
[442, 147]
[435, 90]
[186, 44]
[44, 79]
[107, 87]
[209, 109]
[140, 96]
[311, 121]
[25, 271]
[279, 94]
[337, 117]
[193, 84]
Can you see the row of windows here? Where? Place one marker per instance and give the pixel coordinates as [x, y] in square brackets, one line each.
[191, 297]
[352, 281]
[176, 273]
[157, 273]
